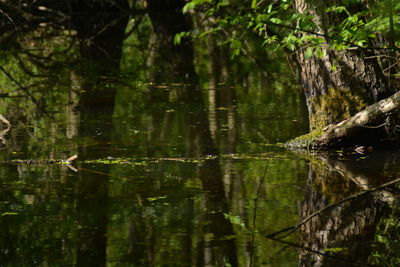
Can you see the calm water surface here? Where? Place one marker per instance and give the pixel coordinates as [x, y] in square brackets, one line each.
[155, 184]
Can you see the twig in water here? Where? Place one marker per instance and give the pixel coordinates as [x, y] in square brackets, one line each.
[71, 159]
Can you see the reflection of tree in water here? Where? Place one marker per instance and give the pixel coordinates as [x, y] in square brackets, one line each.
[101, 29]
[211, 239]
[166, 57]
[345, 232]
[216, 203]
[92, 100]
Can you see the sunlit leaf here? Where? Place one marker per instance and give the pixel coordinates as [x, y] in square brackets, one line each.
[9, 214]
[309, 52]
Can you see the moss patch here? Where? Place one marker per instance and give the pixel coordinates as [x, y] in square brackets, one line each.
[335, 106]
[306, 140]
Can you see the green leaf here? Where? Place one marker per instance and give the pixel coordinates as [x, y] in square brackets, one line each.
[276, 20]
[192, 5]
[189, 6]
[236, 220]
[309, 52]
[290, 46]
[319, 52]
[269, 9]
[9, 214]
[178, 37]
[236, 46]
[337, 9]
[253, 4]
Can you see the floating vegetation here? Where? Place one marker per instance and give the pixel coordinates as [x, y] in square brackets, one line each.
[151, 199]
[146, 160]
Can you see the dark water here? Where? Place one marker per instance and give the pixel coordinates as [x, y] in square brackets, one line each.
[180, 160]
[153, 186]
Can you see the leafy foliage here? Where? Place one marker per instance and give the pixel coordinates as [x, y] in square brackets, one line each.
[356, 24]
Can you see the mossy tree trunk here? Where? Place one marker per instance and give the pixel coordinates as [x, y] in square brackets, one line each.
[340, 83]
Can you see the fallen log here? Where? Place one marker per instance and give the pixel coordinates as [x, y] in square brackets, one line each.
[352, 131]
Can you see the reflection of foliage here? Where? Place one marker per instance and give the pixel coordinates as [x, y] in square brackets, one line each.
[34, 69]
[44, 222]
[135, 49]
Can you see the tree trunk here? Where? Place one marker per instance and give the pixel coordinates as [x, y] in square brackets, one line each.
[340, 83]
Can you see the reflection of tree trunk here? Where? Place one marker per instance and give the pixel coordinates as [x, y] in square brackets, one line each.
[216, 202]
[172, 63]
[345, 231]
[73, 116]
[101, 30]
[92, 188]
[91, 206]
[217, 207]
[141, 237]
[223, 97]
[218, 71]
